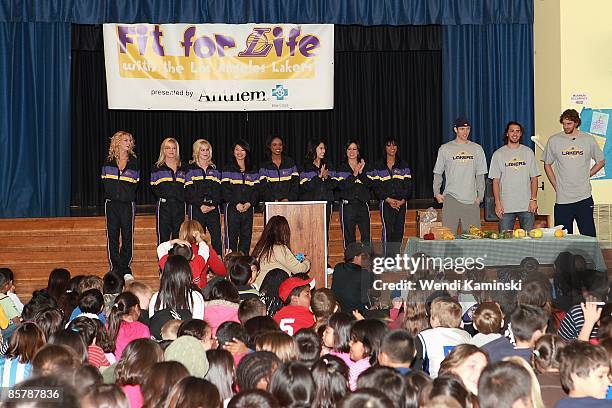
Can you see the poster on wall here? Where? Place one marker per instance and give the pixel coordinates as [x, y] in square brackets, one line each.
[219, 67]
[597, 122]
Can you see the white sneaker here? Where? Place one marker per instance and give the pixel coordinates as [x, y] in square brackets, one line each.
[128, 277]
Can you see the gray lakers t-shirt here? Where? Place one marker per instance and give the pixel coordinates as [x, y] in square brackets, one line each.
[514, 169]
[461, 163]
[571, 160]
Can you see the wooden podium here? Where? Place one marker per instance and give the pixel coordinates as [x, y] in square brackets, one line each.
[308, 224]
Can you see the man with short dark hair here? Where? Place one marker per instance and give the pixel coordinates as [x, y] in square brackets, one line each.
[514, 172]
[464, 165]
[571, 151]
[350, 282]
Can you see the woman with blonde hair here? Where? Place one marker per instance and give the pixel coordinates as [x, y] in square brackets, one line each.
[203, 191]
[190, 229]
[168, 185]
[120, 176]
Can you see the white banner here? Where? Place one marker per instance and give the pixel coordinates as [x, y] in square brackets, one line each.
[219, 66]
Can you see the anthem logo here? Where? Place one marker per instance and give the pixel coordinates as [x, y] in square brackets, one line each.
[280, 92]
[245, 96]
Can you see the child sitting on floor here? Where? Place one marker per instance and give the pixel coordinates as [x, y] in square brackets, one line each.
[197, 261]
[444, 334]
[92, 332]
[296, 314]
[10, 310]
[123, 324]
[243, 274]
[488, 321]
[585, 371]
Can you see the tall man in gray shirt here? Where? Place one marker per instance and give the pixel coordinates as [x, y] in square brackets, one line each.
[571, 152]
[464, 164]
[515, 180]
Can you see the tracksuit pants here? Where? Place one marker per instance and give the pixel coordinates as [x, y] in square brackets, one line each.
[169, 216]
[120, 223]
[211, 222]
[355, 214]
[392, 227]
[238, 229]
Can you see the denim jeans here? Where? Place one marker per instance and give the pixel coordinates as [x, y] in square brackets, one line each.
[526, 220]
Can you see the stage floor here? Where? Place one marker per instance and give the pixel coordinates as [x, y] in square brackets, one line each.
[33, 247]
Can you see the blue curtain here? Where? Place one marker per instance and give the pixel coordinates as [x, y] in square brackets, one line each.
[362, 12]
[34, 119]
[487, 74]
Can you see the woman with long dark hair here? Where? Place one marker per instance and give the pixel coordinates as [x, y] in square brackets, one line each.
[168, 185]
[330, 374]
[292, 385]
[120, 176]
[175, 290]
[59, 283]
[221, 372]
[279, 176]
[317, 176]
[194, 392]
[239, 181]
[158, 380]
[393, 187]
[354, 193]
[138, 357]
[16, 365]
[268, 290]
[203, 191]
[273, 250]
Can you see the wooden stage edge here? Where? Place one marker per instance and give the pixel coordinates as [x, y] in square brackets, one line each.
[32, 247]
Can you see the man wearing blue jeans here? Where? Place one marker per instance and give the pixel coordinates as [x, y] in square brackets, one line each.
[515, 180]
[571, 152]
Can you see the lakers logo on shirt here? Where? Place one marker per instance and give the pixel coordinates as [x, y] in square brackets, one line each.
[463, 156]
[572, 152]
[515, 163]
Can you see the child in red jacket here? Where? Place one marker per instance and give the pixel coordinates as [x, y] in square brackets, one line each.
[198, 261]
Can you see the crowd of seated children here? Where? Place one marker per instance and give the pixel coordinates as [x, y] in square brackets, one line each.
[288, 344]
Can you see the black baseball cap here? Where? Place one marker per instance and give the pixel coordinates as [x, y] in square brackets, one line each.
[461, 122]
[355, 249]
